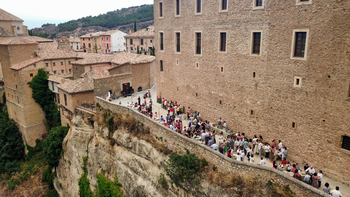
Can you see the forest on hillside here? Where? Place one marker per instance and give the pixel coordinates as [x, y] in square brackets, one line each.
[112, 19]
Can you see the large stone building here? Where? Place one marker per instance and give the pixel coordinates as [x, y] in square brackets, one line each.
[280, 69]
[142, 38]
[11, 25]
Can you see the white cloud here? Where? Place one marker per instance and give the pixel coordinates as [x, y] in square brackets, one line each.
[37, 12]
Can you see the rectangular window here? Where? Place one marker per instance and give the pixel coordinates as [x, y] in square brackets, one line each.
[69, 62]
[256, 42]
[107, 46]
[101, 38]
[161, 65]
[223, 4]
[258, 3]
[303, 2]
[223, 41]
[178, 42]
[62, 71]
[31, 75]
[300, 41]
[141, 41]
[70, 70]
[130, 41]
[177, 7]
[160, 9]
[199, 6]
[106, 38]
[46, 64]
[54, 63]
[65, 99]
[346, 142]
[54, 72]
[161, 41]
[198, 43]
[61, 63]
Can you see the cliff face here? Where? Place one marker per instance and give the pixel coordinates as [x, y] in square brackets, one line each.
[137, 163]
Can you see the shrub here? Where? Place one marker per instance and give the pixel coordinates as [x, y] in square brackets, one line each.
[183, 169]
[4, 97]
[51, 193]
[12, 183]
[204, 163]
[84, 183]
[48, 177]
[52, 145]
[106, 188]
[162, 181]
[12, 148]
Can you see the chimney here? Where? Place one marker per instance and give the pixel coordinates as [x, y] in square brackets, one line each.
[129, 31]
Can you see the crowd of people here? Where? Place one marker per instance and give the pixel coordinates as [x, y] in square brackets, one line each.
[237, 146]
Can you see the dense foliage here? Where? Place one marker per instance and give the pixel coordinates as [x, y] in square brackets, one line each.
[43, 96]
[183, 169]
[52, 145]
[48, 24]
[11, 144]
[112, 19]
[107, 188]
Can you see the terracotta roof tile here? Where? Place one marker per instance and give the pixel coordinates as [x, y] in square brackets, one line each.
[74, 40]
[6, 16]
[26, 63]
[59, 78]
[143, 33]
[16, 41]
[132, 58]
[50, 51]
[79, 85]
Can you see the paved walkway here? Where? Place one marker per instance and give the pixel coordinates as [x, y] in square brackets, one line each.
[344, 189]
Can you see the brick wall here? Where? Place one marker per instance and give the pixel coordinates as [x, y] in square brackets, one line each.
[268, 103]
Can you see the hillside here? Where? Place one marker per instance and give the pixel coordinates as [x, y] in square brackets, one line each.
[122, 19]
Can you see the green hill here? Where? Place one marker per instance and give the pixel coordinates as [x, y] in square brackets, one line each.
[111, 19]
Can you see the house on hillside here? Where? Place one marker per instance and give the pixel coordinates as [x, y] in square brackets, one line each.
[143, 39]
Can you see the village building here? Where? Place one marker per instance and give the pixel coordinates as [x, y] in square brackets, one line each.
[280, 69]
[100, 75]
[142, 38]
[74, 43]
[86, 42]
[11, 25]
[118, 41]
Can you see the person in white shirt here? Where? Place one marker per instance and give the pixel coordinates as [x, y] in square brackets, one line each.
[336, 192]
[214, 146]
[251, 158]
[242, 155]
[262, 162]
[259, 147]
[267, 151]
[237, 144]
[320, 175]
[310, 170]
[280, 145]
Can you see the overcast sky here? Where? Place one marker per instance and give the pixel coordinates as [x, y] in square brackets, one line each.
[38, 12]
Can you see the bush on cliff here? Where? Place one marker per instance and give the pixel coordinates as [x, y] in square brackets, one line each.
[183, 169]
[107, 188]
[52, 145]
[11, 145]
[43, 96]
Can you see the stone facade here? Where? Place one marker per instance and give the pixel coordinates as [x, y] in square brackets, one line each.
[304, 101]
[143, 38]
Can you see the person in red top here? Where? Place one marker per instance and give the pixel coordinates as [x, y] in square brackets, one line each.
[171, 110]
[284, 161]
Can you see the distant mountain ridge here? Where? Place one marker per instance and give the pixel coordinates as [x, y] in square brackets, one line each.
[122, 19]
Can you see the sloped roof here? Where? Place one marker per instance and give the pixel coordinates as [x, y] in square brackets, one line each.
[59, 78]
[5, 33]
[50, 51]
[74, 39]
[6, 16]
[26, 63]
[143, 33]
[16, 40]
[94, 58]
[86, 83]
[132, 58]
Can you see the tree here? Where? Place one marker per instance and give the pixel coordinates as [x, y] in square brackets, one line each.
[43, 96]
[11, 145]
[107, 188]
[183, 169]
[138, 50]
[52, 145]
[135, 29]
[153, 52]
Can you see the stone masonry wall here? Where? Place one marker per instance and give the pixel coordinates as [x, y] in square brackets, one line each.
[177, 142]
[255, 94]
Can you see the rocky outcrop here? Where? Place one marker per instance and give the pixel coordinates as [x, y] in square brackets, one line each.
[137, 163]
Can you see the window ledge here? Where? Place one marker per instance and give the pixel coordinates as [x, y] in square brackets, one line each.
[298, 58]
[258, 8]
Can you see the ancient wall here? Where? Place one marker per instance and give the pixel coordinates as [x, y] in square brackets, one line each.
[256, 94]
[178, 142]
[114, 83]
